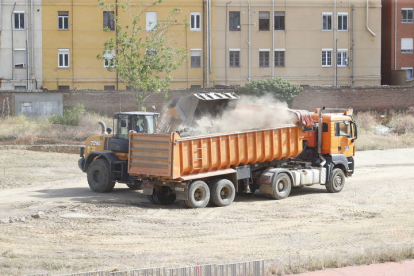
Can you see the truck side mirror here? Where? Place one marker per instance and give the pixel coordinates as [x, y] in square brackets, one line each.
[355, 131]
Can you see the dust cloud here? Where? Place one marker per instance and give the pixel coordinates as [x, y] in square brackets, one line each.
[250, 113]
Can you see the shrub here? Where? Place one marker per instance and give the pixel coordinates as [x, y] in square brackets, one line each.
[280, 89]
[70, 117]
[366, 120]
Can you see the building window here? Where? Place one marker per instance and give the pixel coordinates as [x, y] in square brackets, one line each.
[19, 87]
[19, 20]
[234, 21]
[63, 20]
[279, 21]
[108, 59]
[407, 45]
[195, 21]
[108, 20]
[19, 58]
[342, 21]
[407, 15]
[264, 58]
[280, 58]
[342, 58]
[196, 58]
[409, 71]
[63, 58]
[264, 21]
[63, 88]
[326, 57]
[109, 87]
[151, 20]
[234, 55]
[327, 21]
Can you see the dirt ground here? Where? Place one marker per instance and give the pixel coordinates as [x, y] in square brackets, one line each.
[82, 231]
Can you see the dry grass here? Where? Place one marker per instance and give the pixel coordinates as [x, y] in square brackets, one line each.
[299, 263]
[400, 127]
[21, 130]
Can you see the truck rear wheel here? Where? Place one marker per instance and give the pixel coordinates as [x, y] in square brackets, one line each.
[222, 192]
[198, 195]
[164, 196]
[99, 176]
[336, 182]
[281, 186]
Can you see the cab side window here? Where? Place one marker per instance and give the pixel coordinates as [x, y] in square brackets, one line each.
[343, 129]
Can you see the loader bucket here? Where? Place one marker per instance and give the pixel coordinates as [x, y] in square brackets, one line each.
[181, 112]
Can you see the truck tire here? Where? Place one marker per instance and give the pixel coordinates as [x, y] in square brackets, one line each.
[164, 196]
[281, 186]
[99, 176]
[198, 195]
[222, 192]
[336, 182]
[151, 199]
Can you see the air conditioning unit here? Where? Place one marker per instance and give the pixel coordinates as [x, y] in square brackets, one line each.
[20, 65]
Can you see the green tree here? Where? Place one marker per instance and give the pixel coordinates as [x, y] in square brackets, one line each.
[143, 59]
[280, 89]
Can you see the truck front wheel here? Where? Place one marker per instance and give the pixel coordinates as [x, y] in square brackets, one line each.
[222, 192]
[336, 182]
[198, 195]
[282, 185]
[99, 176]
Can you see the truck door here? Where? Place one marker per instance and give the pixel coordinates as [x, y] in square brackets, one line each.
[344, 137]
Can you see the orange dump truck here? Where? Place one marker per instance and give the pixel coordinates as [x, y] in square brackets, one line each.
[211, 169]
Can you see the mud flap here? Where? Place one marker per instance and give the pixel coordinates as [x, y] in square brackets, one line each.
[148, 187]
[181, 193]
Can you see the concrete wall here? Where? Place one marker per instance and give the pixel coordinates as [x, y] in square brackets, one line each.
[359, 98]
[38, 104]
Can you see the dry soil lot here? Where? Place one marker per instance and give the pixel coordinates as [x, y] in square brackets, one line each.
[81, 230]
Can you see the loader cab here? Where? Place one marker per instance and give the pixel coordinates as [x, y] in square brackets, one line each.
[142, 122]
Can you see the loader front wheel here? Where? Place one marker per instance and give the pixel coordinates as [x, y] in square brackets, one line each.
[198, 195]
[99, 176]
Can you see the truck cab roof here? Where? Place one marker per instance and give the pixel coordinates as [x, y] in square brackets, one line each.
[137, 113]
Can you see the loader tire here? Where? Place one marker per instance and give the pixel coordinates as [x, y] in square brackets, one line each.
[282, 186]
[222, 192]
[198, 195]
[99, 176]
[336, 182]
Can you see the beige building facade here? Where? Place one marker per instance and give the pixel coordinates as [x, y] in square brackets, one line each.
[318, 42]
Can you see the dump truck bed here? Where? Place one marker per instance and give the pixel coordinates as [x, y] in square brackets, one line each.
[168, 156]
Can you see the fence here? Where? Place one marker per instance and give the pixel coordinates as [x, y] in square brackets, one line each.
[250, 268]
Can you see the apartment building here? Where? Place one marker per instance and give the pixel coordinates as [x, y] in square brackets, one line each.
[397, 41]
[20, 44]
[323, 42]
[74, 34]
